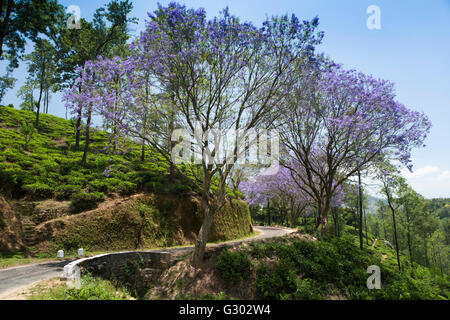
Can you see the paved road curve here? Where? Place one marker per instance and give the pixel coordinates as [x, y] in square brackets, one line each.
[17, 278]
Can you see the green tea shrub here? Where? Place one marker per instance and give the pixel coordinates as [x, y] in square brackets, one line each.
[101, 162]
[74, 180]
[98, 185]
[38, 190]
[156, 187]
[85, 201]
[67, 165]
[273, 283]
[126, 188]
[233, 266]
[306, 289]
[65, 192]
[179, 188]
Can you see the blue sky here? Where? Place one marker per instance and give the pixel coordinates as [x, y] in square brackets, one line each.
[412, 49]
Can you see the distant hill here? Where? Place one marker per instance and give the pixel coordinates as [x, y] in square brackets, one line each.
[372, 204]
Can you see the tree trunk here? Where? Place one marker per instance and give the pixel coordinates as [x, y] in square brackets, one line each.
[202, 239]
[293, 215]
[322, 219]
[143, 151]
[46, 101]
[86, 145]
[427, 262]
[170, 142]
[395, 234]
[360, 211]
[38, 108]
[408, 236]
[78, 128]
[365, 227]
[334, 213]
[324, 222]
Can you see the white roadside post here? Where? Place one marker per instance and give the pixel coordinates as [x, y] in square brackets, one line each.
[80, 252]
[72, 275]
[60, 254]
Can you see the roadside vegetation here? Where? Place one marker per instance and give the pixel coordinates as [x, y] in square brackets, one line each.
[91, 289]
[299, 267]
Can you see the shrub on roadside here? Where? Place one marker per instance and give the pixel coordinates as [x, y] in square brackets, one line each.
[91, 289]
[156, 187]
[233, 266]
[272, 283]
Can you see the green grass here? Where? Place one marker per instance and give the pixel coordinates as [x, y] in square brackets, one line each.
[91, 289]
[8, 260]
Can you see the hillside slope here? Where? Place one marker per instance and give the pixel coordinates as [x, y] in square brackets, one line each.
[116, 201]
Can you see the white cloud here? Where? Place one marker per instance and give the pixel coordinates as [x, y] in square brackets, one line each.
[444, 175]
[430, 181]
[421, 172]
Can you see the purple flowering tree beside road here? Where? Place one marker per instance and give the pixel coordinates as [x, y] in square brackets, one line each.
[187, 71]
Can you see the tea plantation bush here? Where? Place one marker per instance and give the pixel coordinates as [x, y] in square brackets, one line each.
[233, 266]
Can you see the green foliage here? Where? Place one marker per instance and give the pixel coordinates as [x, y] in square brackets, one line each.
[126, 188]
[233, 266]
[91, 289]
[38, 190]
[273, 282]
[179, 188]
[219, 296]
[85, 201]
[156, 187]
[55, 165]
[28, 20]
[306, 289]
[28, 130]
[65, 192]
[305, 270]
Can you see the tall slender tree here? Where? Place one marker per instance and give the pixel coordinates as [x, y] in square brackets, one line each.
[105, 36]
[42, 71]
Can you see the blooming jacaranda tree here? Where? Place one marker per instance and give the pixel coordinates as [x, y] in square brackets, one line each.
[339, 121]
[279, 187]
[223, 74]
[104, 89]
[82, 98]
